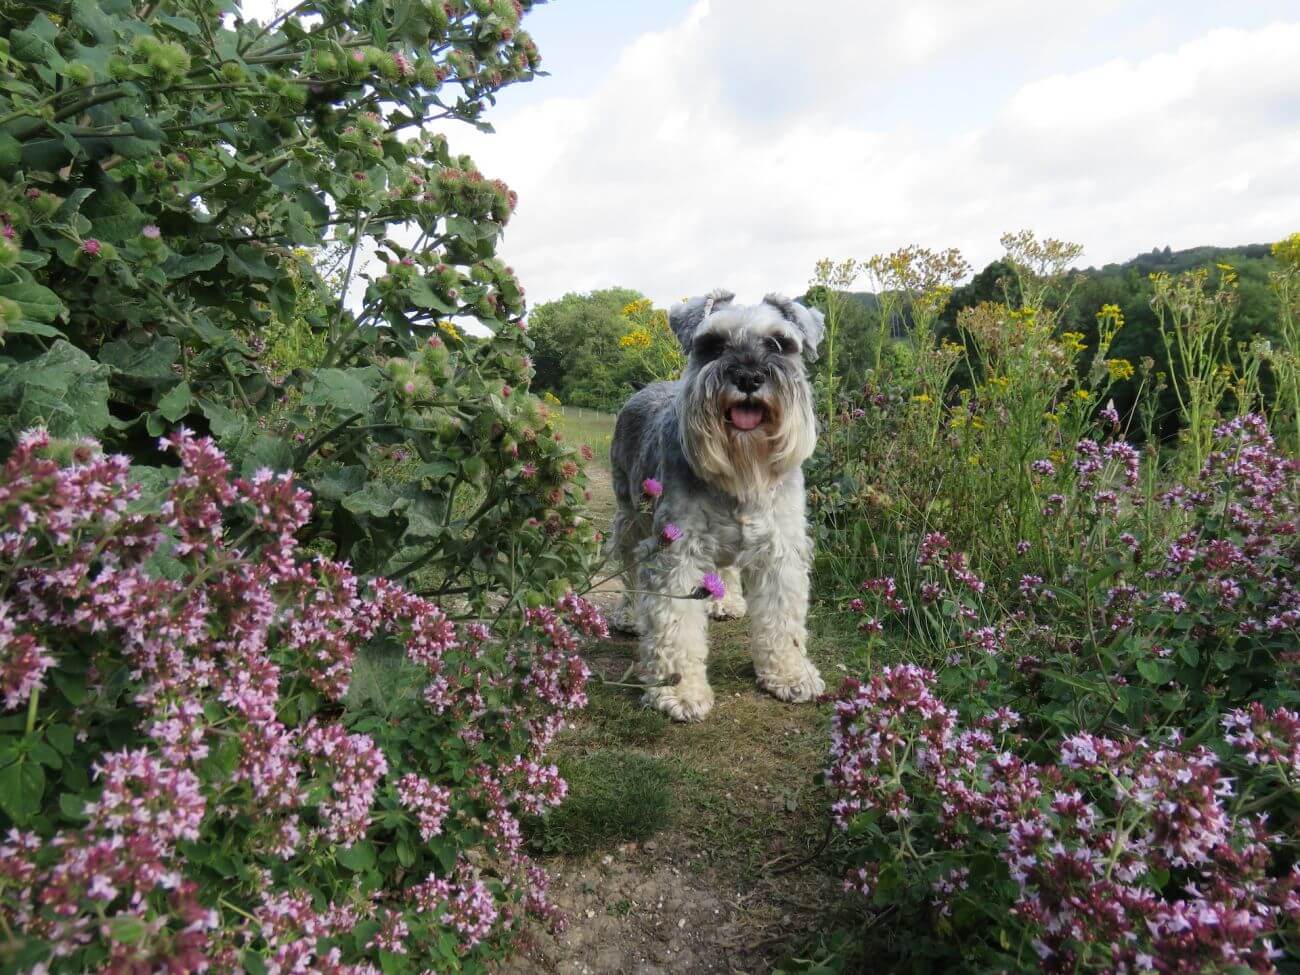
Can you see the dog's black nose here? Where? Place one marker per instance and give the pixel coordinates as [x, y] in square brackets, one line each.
[747, 380]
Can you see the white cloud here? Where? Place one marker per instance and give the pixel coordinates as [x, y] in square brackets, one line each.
[738, 146]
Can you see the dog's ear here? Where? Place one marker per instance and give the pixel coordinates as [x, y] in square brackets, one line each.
[810, 322]
[685, 317]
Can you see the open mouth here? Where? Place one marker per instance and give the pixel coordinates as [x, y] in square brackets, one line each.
[746, 416]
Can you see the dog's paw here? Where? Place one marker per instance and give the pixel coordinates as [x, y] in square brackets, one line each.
[623, 620]
[799, 682]
[731, 608]
[687, 701]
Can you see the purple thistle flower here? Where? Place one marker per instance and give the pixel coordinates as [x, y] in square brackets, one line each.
[711, 586]
[150, 231]
[90, 247]
[652, 487]
[671, 533]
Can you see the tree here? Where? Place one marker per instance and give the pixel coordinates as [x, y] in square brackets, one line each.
[578, 357]
[160, 165]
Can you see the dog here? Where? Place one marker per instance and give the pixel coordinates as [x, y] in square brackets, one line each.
[707, 472]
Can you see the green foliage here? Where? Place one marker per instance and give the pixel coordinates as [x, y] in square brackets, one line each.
[166, 173]
[194, 776]
[980, 508]
[943, 437]
[593, 350]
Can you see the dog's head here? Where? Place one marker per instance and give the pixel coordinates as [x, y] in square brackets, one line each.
[747, 414]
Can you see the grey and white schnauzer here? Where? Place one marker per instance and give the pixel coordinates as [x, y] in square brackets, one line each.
[726, 442]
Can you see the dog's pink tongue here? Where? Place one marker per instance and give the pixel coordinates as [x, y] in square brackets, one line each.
[746, 417]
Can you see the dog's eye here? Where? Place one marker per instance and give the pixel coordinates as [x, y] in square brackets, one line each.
[778, 345]
[708, 347]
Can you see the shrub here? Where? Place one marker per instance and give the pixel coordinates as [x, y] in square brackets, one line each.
[1113, 787]
[1081, 753]
[944, 436]
[1103, 776]
[162, 165]
[181, 785]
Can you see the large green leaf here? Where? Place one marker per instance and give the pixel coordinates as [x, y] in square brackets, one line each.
[22, 784]
[63, 390]
[374, 499]
[204, 258]
[346, 390]
[150, 361]
[38, 303]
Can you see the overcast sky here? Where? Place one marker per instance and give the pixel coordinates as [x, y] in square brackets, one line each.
[679, 146]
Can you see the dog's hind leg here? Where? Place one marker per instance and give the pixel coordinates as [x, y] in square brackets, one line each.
[623, 547]
[674, 631]
[777, 588]
[731, 606]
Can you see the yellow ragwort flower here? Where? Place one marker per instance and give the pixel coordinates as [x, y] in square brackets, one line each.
[638, 338]
[1112, 312]
[1119, 369]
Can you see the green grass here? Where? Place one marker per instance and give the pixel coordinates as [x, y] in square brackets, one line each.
[615, 796]
[590, 427]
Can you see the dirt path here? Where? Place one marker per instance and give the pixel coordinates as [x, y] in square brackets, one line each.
[673, 851]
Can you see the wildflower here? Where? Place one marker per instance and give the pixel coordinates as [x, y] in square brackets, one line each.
[651, 487]
[430, 803]
[671, 533]
[1119, 369]
[150, 231]
[91, 247]
[23, 665]
[711, 586]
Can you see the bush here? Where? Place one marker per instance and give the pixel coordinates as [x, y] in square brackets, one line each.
[1083, 752]
[161, 168]
[180, 783]
[1104, 776]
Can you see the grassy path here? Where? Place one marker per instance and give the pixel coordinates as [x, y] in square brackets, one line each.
[674, 848]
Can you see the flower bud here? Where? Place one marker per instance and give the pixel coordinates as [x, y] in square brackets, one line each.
[79, 73]
[11, 313]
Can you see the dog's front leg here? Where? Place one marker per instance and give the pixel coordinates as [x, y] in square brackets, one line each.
[776, 589]
[674, 635]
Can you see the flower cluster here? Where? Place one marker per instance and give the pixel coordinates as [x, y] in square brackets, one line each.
[198, 663]
[1108, 765]
[1089, 839]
